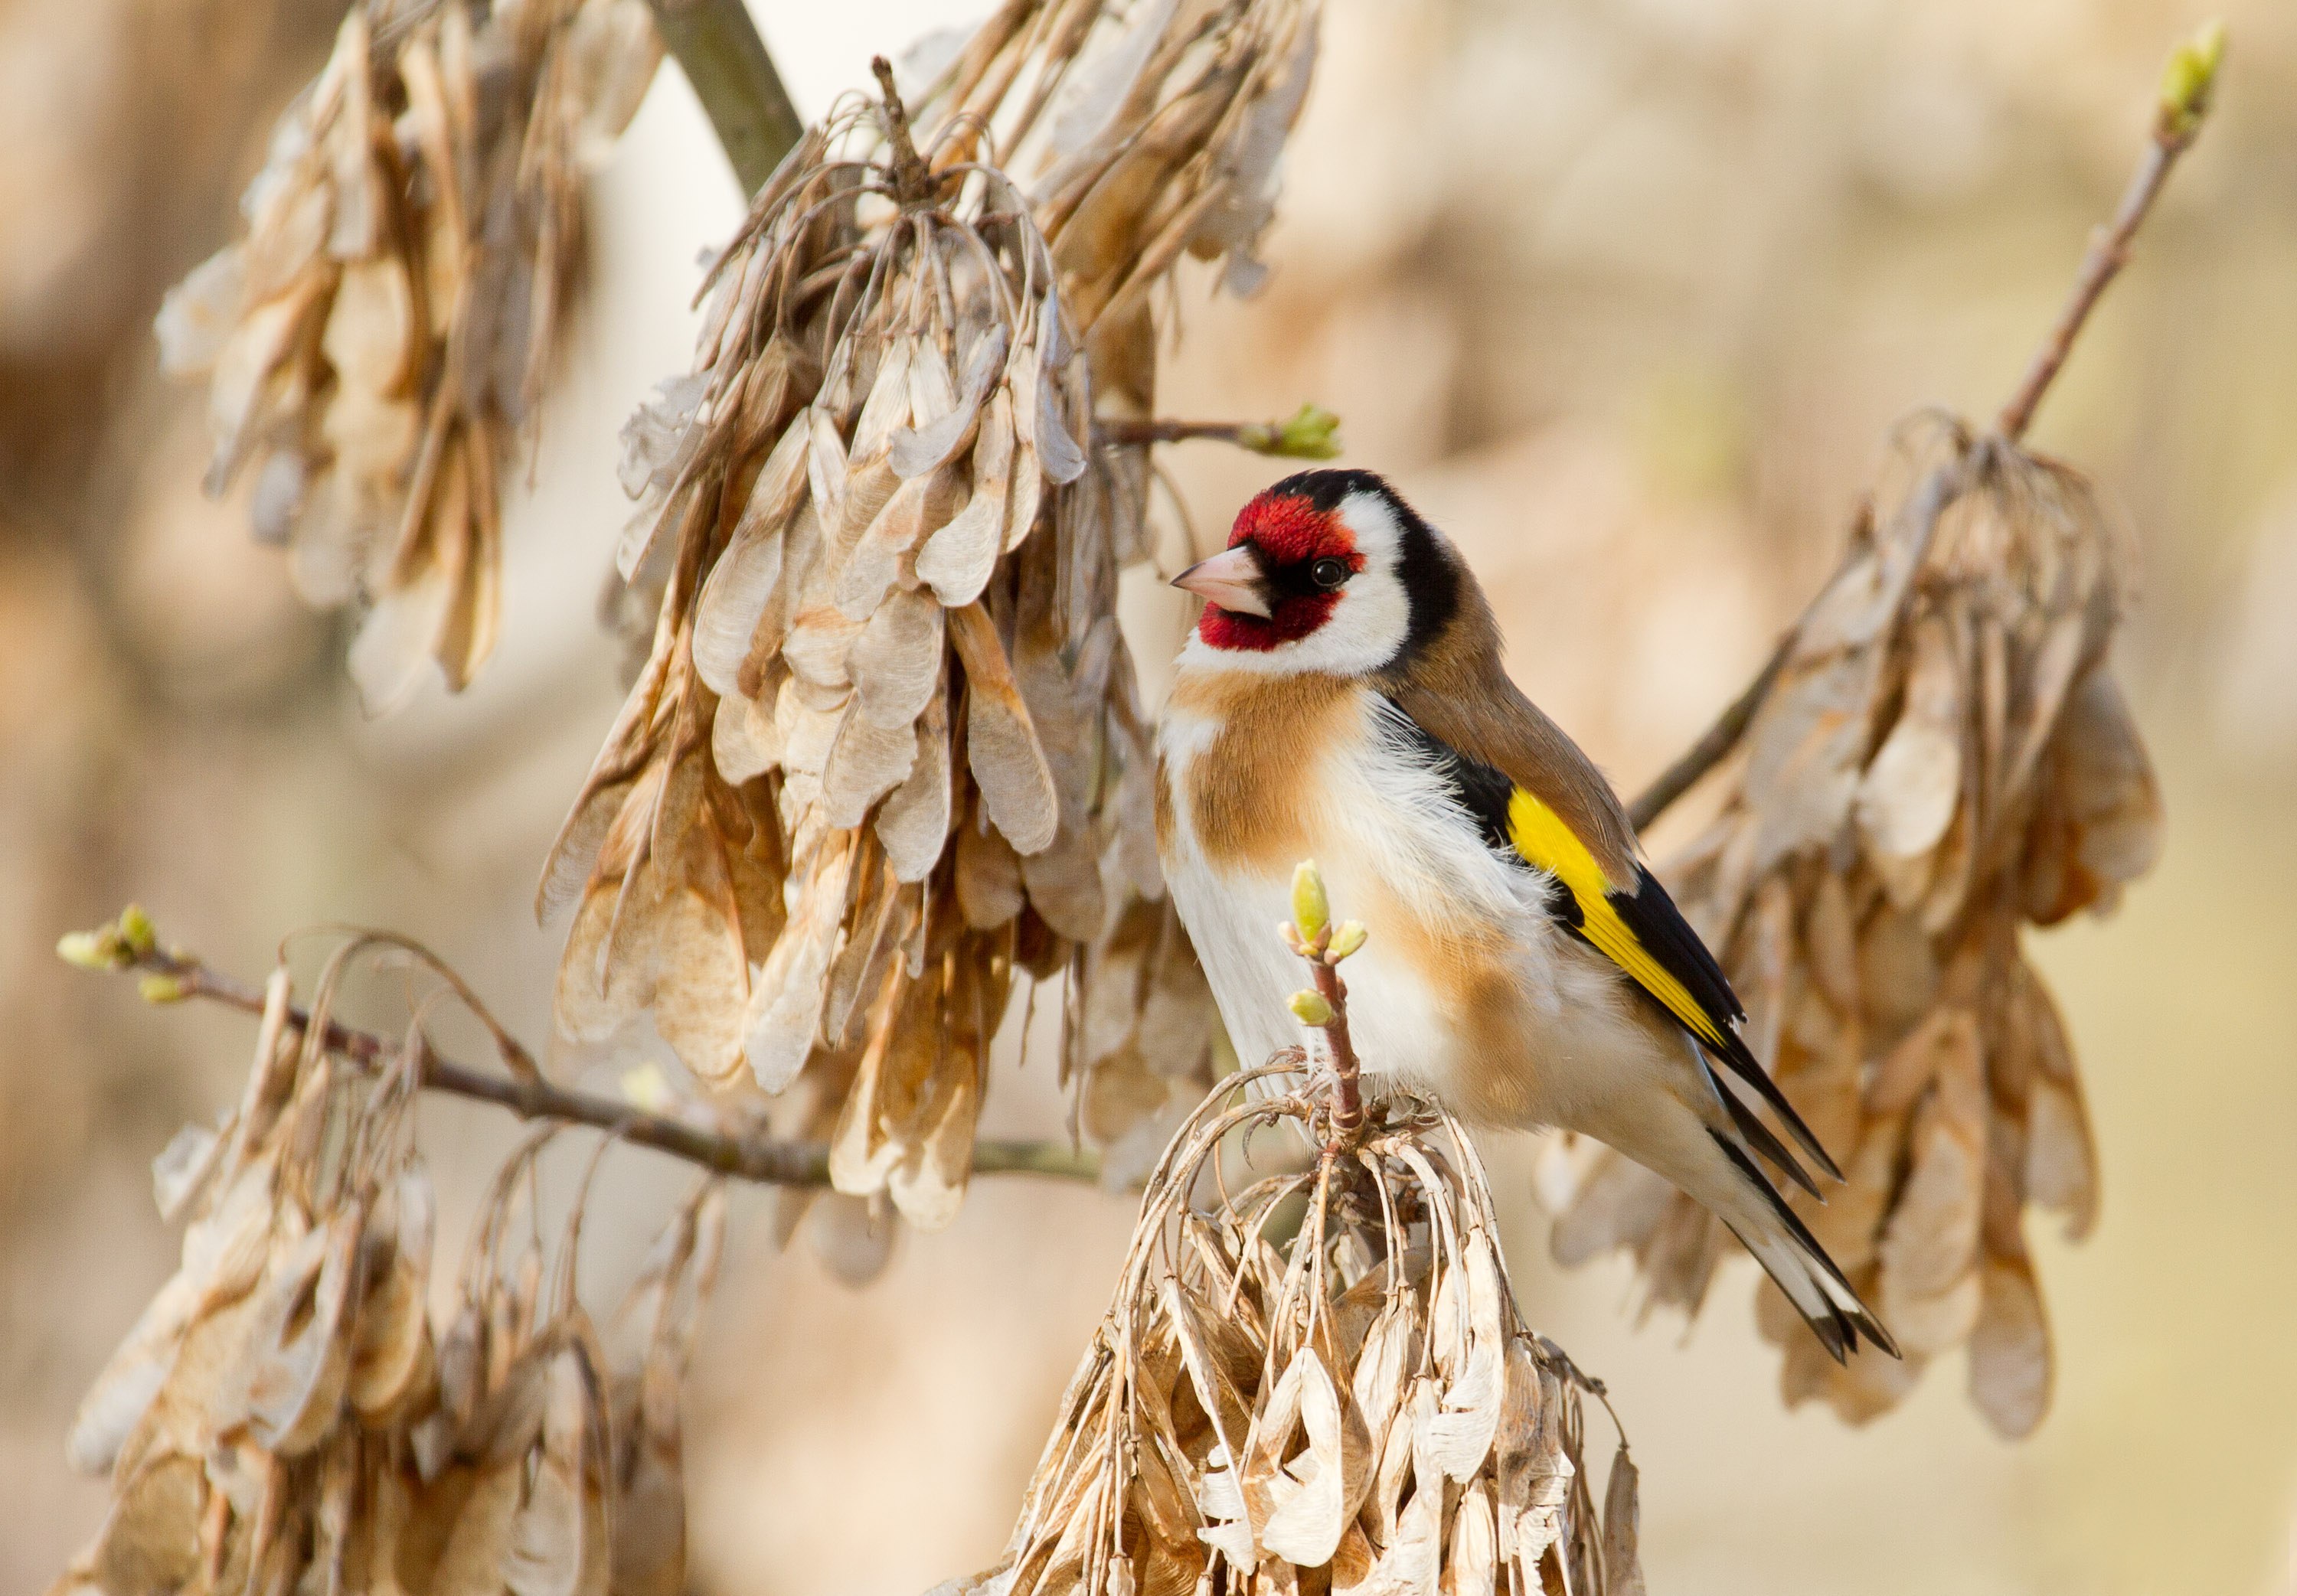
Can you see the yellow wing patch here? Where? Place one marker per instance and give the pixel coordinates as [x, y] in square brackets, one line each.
[1541, 835]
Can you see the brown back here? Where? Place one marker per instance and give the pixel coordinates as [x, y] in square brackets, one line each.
[1455, 686]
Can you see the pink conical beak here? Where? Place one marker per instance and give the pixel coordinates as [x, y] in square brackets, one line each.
[1231, 581]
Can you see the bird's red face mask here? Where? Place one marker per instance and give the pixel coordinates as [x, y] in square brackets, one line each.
[1280, 578]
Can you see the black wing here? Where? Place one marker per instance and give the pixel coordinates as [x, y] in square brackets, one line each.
[1636, 926]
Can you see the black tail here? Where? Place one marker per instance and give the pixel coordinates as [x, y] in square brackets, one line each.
[1739, 1059]
[1756, 1133]
[1785, 1248]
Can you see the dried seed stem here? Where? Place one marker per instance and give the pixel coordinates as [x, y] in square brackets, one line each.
[718, 48]
[170, 974]
[913, 181]
[2184, 103]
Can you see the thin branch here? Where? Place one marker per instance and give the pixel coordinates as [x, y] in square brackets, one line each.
[2185, 101]
[1119, 429]
[2188, 84]
[718, 47]
[170, 974]
[1713, 745]
[1311, 433]
[1348, 1107]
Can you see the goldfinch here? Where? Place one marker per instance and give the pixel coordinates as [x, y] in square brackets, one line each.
[1341, 698]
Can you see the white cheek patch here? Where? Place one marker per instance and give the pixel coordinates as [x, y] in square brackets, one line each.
[1370, 520]
[1366, 627]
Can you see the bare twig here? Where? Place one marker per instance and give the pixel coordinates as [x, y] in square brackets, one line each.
[1311, 433]
[1715, 742]
[1118, 429]
[719, 49]
[169, 975]
[2187, 85]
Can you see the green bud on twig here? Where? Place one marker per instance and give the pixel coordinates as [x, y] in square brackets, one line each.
[137, 930]
[647, 1090]
[1310, 1008]
[1347, 938]
[119, 946]
[1312, 912]
[2189, 79]
[98, 950]
[1311, 433]
[156, 987]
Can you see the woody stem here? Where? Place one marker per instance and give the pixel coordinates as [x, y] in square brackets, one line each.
[1347, 1109]
[1713, 745]
[767, 1160]
[1124, 429]
[2108, 252]
[718, 48]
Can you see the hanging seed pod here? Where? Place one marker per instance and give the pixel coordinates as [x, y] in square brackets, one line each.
[1144, 1033]
[885, 750]
[1944, 759]
[657, 1324]
[511, 1475]
[285, 1415]
[1321, 1380]
[377, 344]
[551, 1463]
[242, 1420]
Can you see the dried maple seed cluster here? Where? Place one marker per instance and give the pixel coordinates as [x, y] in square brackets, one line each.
[284, 1416]
[885, 751]
[1351, 1406]
[378, 342]
[1944, 758]
[1146, 1025]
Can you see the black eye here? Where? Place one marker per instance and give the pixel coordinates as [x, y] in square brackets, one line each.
[1329, 572]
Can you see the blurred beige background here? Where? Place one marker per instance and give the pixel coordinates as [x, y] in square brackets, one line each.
[1625, 292]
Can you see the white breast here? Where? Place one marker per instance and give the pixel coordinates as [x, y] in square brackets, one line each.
[1383, 826]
